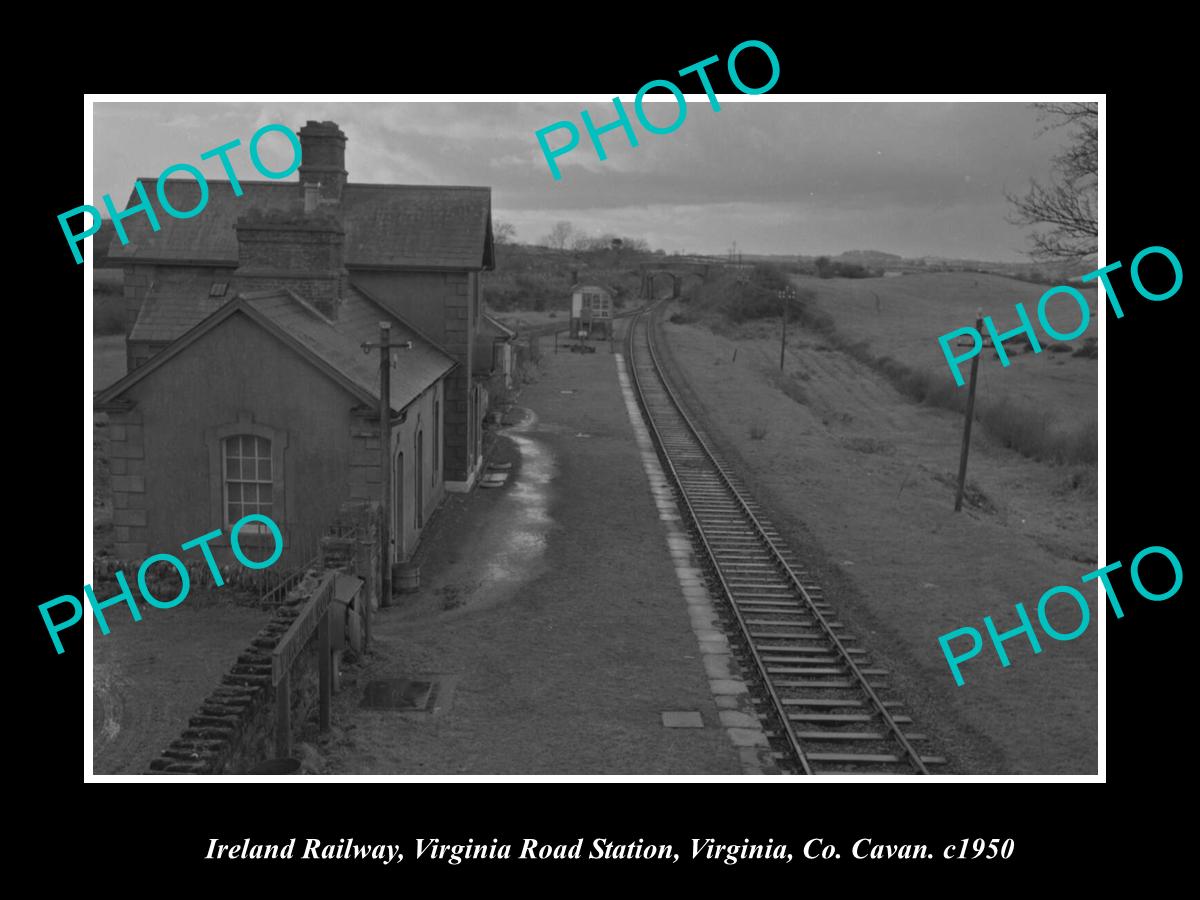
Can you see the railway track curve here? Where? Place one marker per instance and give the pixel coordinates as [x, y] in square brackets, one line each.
[826, 708]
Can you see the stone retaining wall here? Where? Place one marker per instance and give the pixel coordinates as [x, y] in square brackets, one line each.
[234, 729]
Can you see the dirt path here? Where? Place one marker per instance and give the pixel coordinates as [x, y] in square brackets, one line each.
[863, 481]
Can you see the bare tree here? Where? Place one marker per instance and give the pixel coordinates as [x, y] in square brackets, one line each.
[559, 235]
[503, 232]
[1067, 202]
[582, 241]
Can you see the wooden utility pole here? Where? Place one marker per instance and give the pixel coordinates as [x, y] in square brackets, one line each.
[970, 416]
[385, 460]
[785, 297]
[385, 346]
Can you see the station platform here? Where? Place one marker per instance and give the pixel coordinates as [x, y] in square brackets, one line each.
[550, 634]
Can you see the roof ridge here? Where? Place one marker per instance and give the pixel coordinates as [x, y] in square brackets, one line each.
[421, 187]
[207, 324]
[403, 321]
[256, 181]
[296, 298]
[349, 184]
[387, 226]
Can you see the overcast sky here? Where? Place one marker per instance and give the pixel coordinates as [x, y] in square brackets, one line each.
[810, 178]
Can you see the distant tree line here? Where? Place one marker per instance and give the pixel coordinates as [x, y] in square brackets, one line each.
[565, 236]
[828, 268]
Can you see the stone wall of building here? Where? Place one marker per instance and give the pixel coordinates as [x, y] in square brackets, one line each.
[127, 463]
[445, 307]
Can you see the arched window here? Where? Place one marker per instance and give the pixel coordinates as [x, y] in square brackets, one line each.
[248, 479]
[246, 476]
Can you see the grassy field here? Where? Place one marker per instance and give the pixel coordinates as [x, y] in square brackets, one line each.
[1043, 405]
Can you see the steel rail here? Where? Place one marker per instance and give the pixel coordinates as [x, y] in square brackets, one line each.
[779, 708]
[860, 679]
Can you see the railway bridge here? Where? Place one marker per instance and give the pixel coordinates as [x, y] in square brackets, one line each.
[676, 269]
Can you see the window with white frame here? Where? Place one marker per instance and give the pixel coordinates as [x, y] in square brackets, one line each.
[248, 480]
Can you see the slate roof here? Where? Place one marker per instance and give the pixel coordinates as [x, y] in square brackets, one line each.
[387, 225]
[495, 328]
[174, 302]
[340, 344]
[335, 345]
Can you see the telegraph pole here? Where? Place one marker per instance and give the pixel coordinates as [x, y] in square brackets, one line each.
[966, 441]
[385, 459]
[786, 295]
[385, 346]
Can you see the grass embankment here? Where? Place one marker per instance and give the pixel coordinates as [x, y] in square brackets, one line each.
[1041, 405]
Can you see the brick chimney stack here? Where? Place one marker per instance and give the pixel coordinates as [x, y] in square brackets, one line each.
[312, 197]
[323, 158]
[303, 253]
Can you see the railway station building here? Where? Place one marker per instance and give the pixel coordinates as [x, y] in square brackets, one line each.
[247, 389]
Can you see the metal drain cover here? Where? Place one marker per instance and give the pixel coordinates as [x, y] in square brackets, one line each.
[398, 693]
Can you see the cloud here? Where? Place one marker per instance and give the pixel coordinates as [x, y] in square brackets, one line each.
[774, 176]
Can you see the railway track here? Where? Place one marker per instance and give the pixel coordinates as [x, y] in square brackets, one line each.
[826, 708]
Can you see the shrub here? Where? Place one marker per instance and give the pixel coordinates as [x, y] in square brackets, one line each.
[1039, 436]
[759, 298]
[758, 431]
[1080, 444]
[1016, 426]
[827, 268]
[751, 305]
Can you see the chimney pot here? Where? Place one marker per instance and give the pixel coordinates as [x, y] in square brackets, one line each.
[323, 158]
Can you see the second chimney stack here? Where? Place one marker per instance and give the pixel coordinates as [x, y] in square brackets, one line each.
[323, 159]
